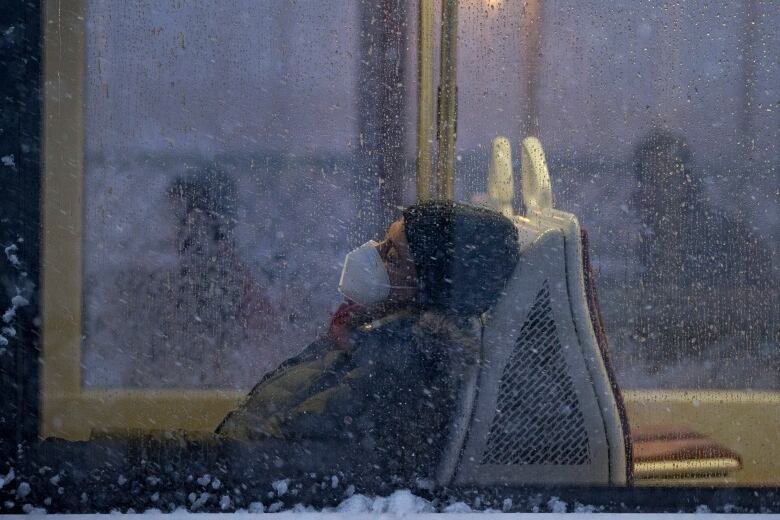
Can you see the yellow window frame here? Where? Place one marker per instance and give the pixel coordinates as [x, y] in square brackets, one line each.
[68, 410]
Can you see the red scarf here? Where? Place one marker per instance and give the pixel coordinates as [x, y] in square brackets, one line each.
[341, 323]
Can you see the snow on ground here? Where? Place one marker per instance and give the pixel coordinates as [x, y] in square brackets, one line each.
[306, 515]
[399, 504]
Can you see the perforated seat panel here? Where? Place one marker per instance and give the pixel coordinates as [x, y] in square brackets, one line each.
[538, 415]
[544, 412]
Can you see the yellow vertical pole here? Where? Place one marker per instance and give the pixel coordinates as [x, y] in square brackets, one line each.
[424, 100]
[532, 35]
[448, 102]
[63, 162]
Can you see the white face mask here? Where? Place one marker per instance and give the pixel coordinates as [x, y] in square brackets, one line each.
[364, 279]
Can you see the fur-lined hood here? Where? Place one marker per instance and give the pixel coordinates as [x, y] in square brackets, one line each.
[463, 334]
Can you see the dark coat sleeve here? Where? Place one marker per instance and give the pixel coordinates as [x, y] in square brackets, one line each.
[403, 398]
[388, 400]
[279, 391]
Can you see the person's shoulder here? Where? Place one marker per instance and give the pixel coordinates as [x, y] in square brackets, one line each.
[278, 389]
[315, 350]
[727, 229]
[416, 336]
[386, 343]
[383, 333]
[391, 323]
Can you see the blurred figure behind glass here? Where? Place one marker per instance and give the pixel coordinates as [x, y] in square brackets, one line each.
[205, 319]
[707, 287]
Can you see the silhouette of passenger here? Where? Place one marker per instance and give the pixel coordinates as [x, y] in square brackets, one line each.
[214, 283]
[196, 320]
[706, 277]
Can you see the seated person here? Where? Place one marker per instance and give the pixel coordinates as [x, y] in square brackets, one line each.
[707, 288]
[383, 381]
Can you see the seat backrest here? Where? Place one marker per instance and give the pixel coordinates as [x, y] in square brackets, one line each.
[544, 408]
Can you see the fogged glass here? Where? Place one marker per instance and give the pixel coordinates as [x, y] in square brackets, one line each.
[238, 280]
[660, 130]
[223, 158]
[218, 146]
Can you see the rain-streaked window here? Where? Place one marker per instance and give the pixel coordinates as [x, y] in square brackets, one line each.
[574, 280]
[221, 146]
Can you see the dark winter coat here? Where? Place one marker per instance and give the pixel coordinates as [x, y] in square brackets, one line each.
[389, 395]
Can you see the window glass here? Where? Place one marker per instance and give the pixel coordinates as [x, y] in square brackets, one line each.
[263, 284]
[659, 126]
[236, 136]
[217, 186]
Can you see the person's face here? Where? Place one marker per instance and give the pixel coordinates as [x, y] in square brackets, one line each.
[663, 187]
[199, 233]
[397, 257]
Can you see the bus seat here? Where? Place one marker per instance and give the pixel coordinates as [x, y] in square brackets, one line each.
[545, 408]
